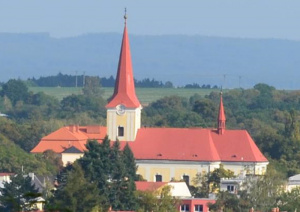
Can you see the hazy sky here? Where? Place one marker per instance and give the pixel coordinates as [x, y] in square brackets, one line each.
[230, 18]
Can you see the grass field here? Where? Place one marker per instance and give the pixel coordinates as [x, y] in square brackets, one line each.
[145, 95]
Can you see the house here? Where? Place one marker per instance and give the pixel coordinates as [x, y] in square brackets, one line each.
[177, 189]
[233, 185]
[161, 154]
[180, 191]
[293, 182]
[4, 177]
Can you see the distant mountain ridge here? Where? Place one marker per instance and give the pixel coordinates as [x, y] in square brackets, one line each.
[181, 59]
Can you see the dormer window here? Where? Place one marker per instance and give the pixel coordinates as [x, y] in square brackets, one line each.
[120, 131]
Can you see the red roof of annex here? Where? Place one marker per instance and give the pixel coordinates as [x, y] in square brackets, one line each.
[181, 144]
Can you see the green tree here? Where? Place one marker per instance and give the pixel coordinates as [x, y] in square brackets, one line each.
[290, 201]
[106, 166]
[214, 178]
[227, 202]
[263, 192]
[12, 158]
[129, 161]
[15, 90]
[200, 187]
[122, 185]
[77, 193]
[18, 194]
[159, 200]
[92, 87]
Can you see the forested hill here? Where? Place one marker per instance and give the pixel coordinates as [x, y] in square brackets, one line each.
[227, 62]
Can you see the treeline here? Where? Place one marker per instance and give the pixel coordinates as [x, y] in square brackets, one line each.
[64, 80]
[271, 116]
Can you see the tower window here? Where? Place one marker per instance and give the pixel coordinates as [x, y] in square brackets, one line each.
[158, 178]
[120, 131]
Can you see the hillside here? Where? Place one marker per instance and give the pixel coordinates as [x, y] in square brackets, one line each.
[227, 62]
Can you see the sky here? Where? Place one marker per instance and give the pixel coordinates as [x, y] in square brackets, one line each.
[222, 18]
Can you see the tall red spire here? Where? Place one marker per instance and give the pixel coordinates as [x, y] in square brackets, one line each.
[124, 92]
[221, 117]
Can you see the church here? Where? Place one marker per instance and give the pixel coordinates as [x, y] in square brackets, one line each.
[162, 154]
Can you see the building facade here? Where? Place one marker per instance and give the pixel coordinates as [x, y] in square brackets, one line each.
[162, 154]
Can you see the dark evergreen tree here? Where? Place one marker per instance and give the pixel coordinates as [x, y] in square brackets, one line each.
[18, 195]
[75, 192]
[106, 166]
[129, 161]
[96, 167]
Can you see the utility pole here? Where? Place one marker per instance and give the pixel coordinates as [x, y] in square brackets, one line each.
[83, 79]
[76, 79]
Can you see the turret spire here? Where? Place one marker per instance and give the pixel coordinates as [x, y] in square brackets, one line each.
[124, 92]
[221, 117]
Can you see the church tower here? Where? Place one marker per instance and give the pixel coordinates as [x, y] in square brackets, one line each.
[124, 108]
[221, 117]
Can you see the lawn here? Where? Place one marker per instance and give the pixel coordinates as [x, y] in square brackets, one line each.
[145, 95]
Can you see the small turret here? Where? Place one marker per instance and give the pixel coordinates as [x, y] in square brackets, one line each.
[221, 117]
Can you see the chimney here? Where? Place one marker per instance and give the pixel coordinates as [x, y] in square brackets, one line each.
[71, 128]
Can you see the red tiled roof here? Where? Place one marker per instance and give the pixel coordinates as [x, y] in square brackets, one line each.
[71, 133]
[148, 186]
[124, 92]
[174, 144]
[6, 174]
[65, 137]
[182, 144]
[237, 145]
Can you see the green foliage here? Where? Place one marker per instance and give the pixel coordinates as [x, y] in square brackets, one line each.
[214, 177]
[148, 201]
[15, 90]
[263, 192]
[17, 194]
[171, 111]
[92, 87]
[112, 169]
[205, 183]
[13, 158]
[73, 105]
[77, 193]
[260, 192]
[227, 202]
[290, 201]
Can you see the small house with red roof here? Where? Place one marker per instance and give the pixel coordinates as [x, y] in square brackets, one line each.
[161, 154]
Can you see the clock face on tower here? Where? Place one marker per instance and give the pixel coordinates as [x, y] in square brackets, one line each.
[120, 109]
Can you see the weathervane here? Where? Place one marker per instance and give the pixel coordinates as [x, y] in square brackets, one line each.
[125, 16]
